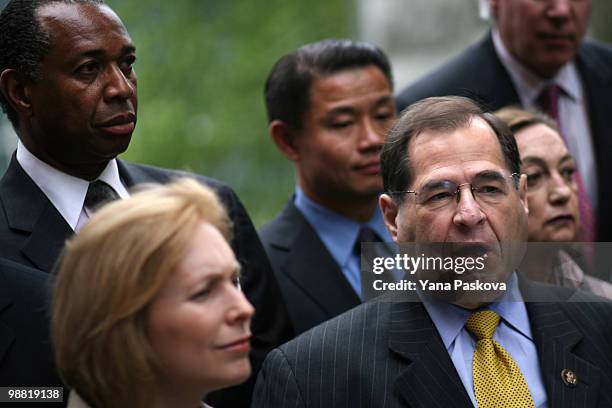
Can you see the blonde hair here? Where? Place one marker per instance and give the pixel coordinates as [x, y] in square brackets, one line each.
[109, 274]
[517, 118]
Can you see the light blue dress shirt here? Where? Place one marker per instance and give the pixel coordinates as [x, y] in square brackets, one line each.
[513, 333]
[339, 234]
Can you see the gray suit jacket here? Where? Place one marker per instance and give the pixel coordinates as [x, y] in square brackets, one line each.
[479, 74]
[311, 282]
[33, 232]
[388, 354]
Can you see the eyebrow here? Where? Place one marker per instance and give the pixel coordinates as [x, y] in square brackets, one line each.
[98, 53]
[567, 157]
[349, 110]
[217, 275]
[492, 175]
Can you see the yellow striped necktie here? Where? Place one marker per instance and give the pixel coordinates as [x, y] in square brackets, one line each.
[498, 381]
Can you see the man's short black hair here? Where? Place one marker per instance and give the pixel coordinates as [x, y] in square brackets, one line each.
[446, 113]
[23, 42]
[287, 89]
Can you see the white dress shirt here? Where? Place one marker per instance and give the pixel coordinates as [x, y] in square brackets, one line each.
[573, 113]
[66, 192]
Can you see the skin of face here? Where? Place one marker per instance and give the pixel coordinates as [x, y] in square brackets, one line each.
[552, 192]
[458, 156]
[542, 34]
[337, 153]
[83, 111]
[198, 324]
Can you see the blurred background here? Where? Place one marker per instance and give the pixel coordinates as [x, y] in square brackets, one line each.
[202, 65]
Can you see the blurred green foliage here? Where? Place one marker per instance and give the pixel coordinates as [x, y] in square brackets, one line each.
[201, 68]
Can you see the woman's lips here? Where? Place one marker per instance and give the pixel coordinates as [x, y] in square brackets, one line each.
[560, 220]
[242, 345]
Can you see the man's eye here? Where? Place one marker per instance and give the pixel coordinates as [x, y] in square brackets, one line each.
[340, 125]
[128, 64]
[383, 117]
[88, 69]
[489, 190]
[534, 179]
[439, 196]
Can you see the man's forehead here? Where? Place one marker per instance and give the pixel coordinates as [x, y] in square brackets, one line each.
[82, 21]
[458, 153]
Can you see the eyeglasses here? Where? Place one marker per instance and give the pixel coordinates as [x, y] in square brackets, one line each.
[489, 188]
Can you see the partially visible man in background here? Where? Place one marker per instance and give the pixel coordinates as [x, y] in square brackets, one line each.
[535, 56]
[68, 85]
[329, 105]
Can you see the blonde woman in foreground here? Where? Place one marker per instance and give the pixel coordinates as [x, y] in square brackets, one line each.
[147, 309]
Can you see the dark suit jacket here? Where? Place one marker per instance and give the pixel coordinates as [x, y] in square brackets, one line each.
[312, 283]
[389, 354]
[26, 357]
[479, 74]
[32, 232]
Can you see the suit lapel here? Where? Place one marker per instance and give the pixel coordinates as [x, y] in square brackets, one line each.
[310, 265]
[430, 378]
[29, 210]
[556, 338]
[498, 90]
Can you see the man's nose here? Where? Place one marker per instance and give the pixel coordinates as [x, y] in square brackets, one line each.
[372, 135]
[559, 9]
[468, 212]
[118, 85]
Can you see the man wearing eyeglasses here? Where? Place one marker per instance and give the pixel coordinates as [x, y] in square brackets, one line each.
[536, 55]
[451, 176]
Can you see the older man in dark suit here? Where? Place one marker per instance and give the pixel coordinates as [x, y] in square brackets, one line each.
[535, 56]
[329, 104]
[451, 176]
[68, 85]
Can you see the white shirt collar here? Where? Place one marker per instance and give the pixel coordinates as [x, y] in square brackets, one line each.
[528, 84]
[66, 192]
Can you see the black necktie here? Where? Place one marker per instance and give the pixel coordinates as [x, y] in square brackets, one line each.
[99, 193]
[366, 234]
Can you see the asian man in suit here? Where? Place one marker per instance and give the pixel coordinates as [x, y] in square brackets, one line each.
[329, 104]
[535, 55]
[451, 175]
[68, 85]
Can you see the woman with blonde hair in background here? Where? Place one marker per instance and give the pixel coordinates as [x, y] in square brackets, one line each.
[552, 199]
[147, 309]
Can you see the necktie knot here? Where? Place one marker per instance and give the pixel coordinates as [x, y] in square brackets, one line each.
[549, 101]
[99, 193]
[483, 324]
[366, 234]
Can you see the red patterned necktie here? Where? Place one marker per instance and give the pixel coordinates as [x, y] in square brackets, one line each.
[549, 102]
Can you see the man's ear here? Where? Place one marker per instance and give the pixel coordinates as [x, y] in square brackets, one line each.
[389, 210]
[523, 192]
[15, 91]
[283, 136]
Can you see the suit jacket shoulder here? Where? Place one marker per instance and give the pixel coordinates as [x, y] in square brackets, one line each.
[26, 355]
[476, 73]
[311, 282]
